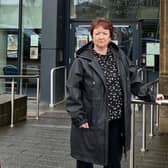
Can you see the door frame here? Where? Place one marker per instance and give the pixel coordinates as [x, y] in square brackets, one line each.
[136, 24]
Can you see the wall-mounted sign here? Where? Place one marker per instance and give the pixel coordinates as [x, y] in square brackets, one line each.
[33, 52]
[34, 40]
[152, 49]
[150, 60]
[81, 41]
[12, 45]
[12, 42]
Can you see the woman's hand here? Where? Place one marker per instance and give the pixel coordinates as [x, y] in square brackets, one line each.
[85, 125]
[158, 98]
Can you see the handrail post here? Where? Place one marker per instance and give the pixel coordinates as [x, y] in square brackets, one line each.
[12, 102]
[37, 97]
[13, 77]
[65, 82]
[51, 88]
[143, 149]
[132, 137]
[151, 122]
[52, 85]
[157, 107]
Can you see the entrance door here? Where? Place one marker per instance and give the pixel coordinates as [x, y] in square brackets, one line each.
[125, 35]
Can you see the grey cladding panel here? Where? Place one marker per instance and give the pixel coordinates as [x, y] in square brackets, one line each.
[49, 24]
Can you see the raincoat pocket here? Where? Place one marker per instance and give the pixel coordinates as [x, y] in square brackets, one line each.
[88, 144]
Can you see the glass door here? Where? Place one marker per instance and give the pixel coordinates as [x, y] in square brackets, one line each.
[150, 49]
[125, 35]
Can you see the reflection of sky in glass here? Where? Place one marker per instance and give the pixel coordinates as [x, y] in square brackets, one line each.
[115, 8]
[76, 2]
[82, 31]
[9, 13]
[32, 3]
[9, 2]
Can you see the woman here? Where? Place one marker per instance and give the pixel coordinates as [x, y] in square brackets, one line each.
[99, 89]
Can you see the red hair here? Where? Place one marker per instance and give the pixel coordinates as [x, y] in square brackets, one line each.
[105, 23]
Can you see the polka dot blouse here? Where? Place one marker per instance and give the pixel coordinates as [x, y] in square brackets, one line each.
[113, 85]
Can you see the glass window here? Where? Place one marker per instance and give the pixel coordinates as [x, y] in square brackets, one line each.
[29, 62]
[135, 9]
[32, 23]
[32, 13]
[151, 43]
[9, 12]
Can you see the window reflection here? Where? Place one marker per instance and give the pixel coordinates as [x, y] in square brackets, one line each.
[88, 9]
[123, 37]
[9, 39]
[9, 10]
[32, 20]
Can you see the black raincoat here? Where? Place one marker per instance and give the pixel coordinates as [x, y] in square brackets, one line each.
[86, 102]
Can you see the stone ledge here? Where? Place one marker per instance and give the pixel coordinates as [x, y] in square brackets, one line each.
[20, 109]
[163, 111]
[163, 128]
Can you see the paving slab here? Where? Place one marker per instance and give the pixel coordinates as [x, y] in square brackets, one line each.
[44, 143]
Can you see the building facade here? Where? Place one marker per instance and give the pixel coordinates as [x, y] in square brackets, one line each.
[38, 35]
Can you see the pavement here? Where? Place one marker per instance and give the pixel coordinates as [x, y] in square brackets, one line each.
[44, 143]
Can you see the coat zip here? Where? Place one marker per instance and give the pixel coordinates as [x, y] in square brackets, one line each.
[117, 60]
[106, 126]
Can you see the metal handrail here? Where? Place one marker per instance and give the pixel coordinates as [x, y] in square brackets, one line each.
[135, 102]
[143, 148]
[13, 77]
[52, 84]
[18, 76]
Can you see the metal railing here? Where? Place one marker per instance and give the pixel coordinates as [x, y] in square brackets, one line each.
[13, 77]
[133, 103]
[144, 125]
[143, 148]
[52, 84]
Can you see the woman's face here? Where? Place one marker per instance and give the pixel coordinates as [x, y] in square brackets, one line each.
[101, 37]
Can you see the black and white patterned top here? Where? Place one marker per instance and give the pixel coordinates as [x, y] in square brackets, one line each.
[113, 85]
